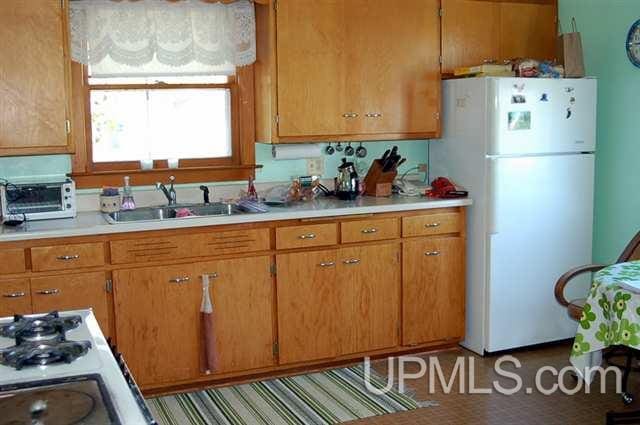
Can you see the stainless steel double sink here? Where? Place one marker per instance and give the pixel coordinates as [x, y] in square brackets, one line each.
[170, 212]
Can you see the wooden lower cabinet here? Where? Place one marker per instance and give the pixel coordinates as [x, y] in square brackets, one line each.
[157, 312]
[309, 300]
[337, 302]
[15, 297]
[433, 290]
[72, 292]
[369, 279]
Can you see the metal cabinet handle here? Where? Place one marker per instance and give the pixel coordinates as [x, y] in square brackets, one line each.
[68, 257]
[369, 231]
[432, 253]
[373, 115]
[14, 295]
[431, 225]
[213, 275]
[307, 236]
[350, 115]
[48, 292]
[327, 264]
[351, 261]
[180, 280]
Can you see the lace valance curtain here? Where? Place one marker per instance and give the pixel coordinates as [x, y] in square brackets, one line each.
[158, 37]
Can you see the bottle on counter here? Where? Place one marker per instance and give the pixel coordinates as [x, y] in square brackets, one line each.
[128, 203]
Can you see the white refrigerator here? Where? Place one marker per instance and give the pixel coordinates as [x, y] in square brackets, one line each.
[525, 150]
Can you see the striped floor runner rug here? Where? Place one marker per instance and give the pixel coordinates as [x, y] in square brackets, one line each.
[329, 397]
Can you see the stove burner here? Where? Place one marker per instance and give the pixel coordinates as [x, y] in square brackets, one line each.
[40, 353]
[39, 327]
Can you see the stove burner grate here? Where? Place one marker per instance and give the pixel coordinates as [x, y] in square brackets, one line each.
[43, 353]
[39, 327]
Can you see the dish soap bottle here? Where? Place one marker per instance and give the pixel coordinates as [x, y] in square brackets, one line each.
[128, 203]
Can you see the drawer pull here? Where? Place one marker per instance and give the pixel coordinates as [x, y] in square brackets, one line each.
[369, 231]
[351, 261]
[48, 292]
[213, 275]
[68, 257]
[373, 115]
[307, 236]
[350, 115]
[180, 280]
[327, 264]
[431, 225]
[432, 253]
[15, 295]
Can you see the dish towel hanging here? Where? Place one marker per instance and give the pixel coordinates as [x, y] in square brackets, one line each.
[209, 359]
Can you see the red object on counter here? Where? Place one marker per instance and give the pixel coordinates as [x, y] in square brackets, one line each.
[442, 187]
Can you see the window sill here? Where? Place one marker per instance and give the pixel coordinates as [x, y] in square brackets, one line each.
[149, 177]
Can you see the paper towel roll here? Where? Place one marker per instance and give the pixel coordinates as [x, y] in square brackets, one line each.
[309, 150]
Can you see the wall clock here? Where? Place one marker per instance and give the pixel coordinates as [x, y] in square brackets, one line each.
[633, 44]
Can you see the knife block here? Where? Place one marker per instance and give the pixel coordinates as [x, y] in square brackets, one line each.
[377, 182]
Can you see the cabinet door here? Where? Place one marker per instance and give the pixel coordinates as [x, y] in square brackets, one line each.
[157, 311]
[308, 305]
[394, 67]
[312, 70]
[369, 285]
[242, 294]
[528, 30]
[34, 70]
[433, 290]
[15, 297]
[72, 292]
[469, 33]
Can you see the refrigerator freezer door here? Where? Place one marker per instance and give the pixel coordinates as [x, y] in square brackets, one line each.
[540, 214]
[542, 116]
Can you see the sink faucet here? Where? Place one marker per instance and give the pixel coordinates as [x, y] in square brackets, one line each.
[169, 194]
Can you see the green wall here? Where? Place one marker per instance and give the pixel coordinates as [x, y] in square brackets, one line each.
[273, 171]
[604, 25]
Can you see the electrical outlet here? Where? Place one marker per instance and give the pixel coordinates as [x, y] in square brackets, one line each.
[315, 166]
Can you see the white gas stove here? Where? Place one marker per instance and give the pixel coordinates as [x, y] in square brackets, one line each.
[61, 368]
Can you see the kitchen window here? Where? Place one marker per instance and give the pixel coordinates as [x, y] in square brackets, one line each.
[160, 82]
[190, 119]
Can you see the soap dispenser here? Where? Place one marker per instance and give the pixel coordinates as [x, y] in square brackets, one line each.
[128, 203]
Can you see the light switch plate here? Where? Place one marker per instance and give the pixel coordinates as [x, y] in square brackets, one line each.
[315, 166]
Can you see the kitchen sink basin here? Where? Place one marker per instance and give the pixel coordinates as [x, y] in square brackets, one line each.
[170, 212]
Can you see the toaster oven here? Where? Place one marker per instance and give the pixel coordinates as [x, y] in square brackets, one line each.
[39, 201]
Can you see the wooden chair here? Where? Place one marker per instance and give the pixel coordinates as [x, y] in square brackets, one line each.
[575, 307]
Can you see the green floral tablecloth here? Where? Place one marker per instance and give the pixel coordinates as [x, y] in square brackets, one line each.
[611, 314]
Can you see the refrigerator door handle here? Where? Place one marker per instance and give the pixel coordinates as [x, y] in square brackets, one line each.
[492, 201]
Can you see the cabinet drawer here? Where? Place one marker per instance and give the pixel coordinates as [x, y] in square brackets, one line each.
[12, 261]
[306, 236]
[431, 224]
[369, 230]
[15, 297]
[198, 245]
[65, 257]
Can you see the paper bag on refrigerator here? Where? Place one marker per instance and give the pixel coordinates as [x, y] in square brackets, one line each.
[570, 52]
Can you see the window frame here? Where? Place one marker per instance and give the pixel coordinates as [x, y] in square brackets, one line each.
[239, 166]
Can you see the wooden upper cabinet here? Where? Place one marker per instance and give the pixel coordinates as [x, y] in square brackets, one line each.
[347, 70]
[394, 70]
[528, 30]
[469, 35]
[476, 31]
[34, 101]
[312, 67]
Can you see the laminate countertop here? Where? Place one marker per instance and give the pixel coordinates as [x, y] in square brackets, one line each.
[93, 223]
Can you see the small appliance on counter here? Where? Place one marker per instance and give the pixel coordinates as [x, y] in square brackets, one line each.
[347, 181]
[58, 368]
[38, 200]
